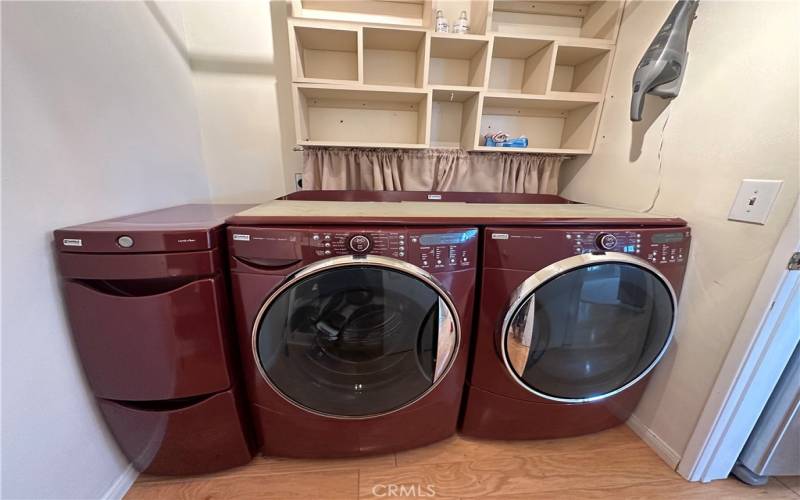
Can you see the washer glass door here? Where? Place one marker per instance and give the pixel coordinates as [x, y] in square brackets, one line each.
[588, 327]
[356, 340]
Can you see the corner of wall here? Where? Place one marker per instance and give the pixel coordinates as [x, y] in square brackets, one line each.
[122, 484]
[662, 449]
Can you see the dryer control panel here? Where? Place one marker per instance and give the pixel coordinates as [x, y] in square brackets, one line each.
[435, 249]
[534, 248]
[658, 247]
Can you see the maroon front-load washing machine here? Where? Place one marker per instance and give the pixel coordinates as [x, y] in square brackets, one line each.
[355, 338]
[148, 306]
[571, 322]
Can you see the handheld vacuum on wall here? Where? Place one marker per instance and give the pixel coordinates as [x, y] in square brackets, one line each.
[660, 72]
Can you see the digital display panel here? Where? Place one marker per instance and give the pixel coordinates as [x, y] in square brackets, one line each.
[446, 238]
[667, 237]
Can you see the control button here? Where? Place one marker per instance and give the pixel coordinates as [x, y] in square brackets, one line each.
[327, 236]
[402, 249]
[402, 237]
[438, 261]
[360, 243]
[424, 262]
[315, 237]
[125, 241]
[606, 241]
[327, 252]
[452, 261]
[402, 254]
[327, 244]
[413, 240]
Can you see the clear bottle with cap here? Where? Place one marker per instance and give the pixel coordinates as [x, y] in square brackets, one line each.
[441, 23]
[461, 26]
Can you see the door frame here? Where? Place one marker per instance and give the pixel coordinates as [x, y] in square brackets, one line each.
[757, 357]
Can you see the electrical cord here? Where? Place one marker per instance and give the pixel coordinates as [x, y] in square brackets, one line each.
[660, 160]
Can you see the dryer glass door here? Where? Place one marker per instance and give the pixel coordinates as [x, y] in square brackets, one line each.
[588, 327]
[356, 340]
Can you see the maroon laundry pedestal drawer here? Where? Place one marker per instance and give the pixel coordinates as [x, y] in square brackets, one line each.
[147, 301]
[177, 335]
[195, 436]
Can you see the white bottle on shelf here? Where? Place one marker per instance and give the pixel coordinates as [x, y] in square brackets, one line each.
[441, 23]
[461, 26]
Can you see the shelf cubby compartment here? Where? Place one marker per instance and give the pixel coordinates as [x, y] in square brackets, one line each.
[458, 60]
[477, 12]
[581, 69]
[398, 12]
[325, 54]
[561, 18]
[395, 57]
[521, 65]
[363, 116]
[454, 118]
[566, 126]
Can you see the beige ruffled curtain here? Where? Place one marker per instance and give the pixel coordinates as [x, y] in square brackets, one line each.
[429, 170]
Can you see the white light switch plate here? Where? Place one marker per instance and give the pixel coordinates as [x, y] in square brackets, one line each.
[298, 182]
[754, 200]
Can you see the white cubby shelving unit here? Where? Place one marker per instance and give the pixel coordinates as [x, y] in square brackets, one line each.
[454, 117]
[552, 126]
[326, 54]
[372, 73]
[560, 18]
[378, 116]
[395, 57]
[458, 60]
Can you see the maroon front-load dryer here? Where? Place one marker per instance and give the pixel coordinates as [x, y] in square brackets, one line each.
[148, 306]
[354, 338]
[571, 322]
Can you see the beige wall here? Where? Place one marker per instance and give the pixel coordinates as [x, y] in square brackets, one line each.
[238, 53]
[98, 121]
[736, 117]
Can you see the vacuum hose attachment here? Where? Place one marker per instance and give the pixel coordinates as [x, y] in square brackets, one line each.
[660, 72]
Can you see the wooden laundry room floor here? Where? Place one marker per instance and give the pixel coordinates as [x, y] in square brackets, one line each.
[610, 464]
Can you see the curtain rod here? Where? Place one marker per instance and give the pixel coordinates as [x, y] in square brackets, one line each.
[566, 157]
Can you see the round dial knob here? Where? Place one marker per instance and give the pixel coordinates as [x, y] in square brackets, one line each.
[360, 243]
[606, 241]
[125, 241]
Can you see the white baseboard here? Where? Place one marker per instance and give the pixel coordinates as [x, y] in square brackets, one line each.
[122, 484]
[662, 449]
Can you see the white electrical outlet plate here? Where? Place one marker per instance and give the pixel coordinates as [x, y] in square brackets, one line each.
[298, 182]
[754, 200]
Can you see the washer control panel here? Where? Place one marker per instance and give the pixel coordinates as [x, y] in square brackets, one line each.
[433, 249]
[346, 242]
[441, 251]
[281, 249]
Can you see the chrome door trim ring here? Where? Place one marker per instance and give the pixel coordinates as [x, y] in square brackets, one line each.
[352, 261]
[543, 276]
